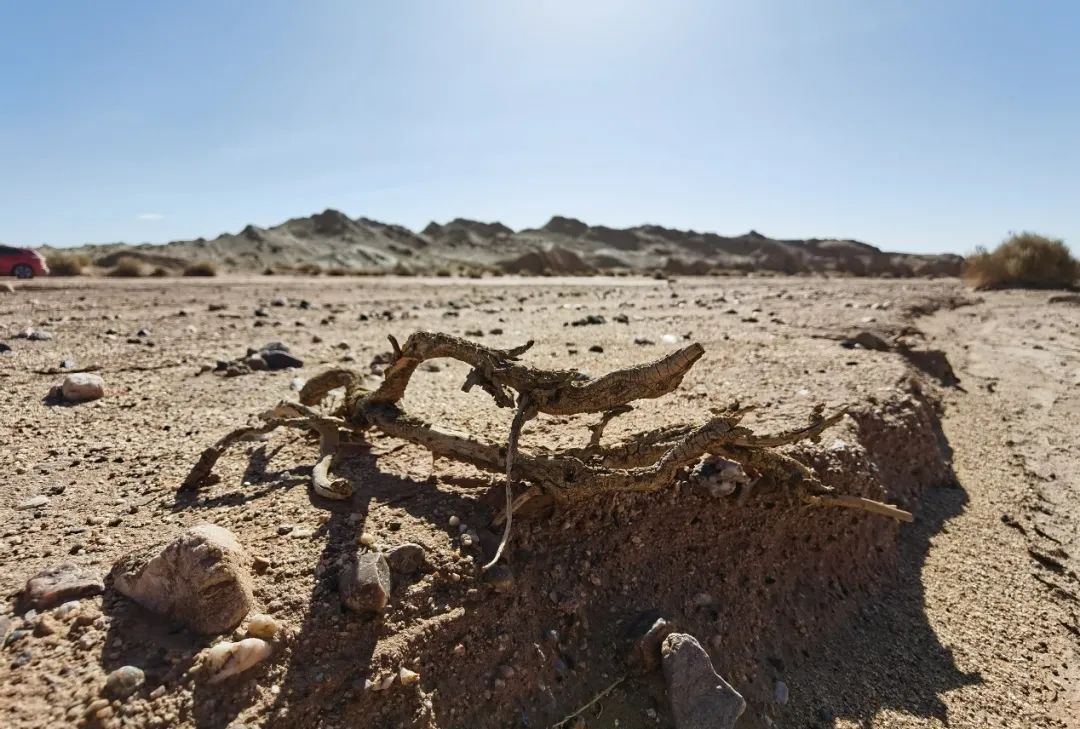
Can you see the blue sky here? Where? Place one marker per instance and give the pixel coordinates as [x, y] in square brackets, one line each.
[921, 126]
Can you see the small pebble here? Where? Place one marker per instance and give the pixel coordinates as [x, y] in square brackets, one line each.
[780, 693]
[34, 502]
[228, 659]
[263, 626]
[501, 578]
[96, 705]
[408, 677]
[123, 682]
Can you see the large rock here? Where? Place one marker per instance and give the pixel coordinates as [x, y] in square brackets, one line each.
[700, 698]
[365, 583]
[200, 579]
[82, 387]
[59, 584]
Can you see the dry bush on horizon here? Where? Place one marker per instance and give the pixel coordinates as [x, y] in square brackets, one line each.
[201, 268]
[67, 264]
[1023, 260]
[128, 267]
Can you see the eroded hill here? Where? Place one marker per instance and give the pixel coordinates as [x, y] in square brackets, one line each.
[332, 242]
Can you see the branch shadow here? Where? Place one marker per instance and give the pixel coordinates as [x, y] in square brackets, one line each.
[329, 665]
[887, 656]
[327, 660]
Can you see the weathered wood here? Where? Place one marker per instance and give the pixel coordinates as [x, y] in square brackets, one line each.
[649, 461]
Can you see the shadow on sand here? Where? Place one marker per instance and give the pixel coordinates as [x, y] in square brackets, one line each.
[887, 657]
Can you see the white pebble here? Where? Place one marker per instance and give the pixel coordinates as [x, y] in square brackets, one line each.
[34, 502]
[408, 677]
[454, 520]
[228, 659]
[264, 626]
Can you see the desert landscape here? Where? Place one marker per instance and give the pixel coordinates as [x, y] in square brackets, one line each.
[539, 365]
[376, 603]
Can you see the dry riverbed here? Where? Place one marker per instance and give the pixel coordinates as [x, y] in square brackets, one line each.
[963, 409]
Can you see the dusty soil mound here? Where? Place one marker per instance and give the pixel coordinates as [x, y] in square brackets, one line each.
[549, 261]
[755, 580]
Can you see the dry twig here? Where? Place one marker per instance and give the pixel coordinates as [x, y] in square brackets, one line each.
[562, 722]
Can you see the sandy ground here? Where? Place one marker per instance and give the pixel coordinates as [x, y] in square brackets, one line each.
[966, 618]
[995, 629]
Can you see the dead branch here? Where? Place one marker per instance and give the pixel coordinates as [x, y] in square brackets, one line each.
[646, 462]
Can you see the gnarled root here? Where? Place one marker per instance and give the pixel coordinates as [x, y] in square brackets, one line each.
[647, 462]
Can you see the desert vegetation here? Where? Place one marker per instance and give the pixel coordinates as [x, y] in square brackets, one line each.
[201, 268]
[67, 264]
[128, 267]
[1023, 260]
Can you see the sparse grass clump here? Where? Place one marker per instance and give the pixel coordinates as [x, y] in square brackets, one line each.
[201, 268]
[1024, 260]
[128, 267]
[67, 264]
[160, 272]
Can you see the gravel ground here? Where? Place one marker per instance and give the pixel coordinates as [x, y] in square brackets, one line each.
[965, 618]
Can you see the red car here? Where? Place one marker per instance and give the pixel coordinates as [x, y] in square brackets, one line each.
[22, 262]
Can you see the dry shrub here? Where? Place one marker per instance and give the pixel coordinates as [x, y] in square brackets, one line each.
[201, 268]
[160, 272]
[127, 267]
[309, 269]
[341, 271]
[67, 264]
[1024, 260]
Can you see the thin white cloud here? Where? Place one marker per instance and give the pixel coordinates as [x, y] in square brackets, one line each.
[149, 216]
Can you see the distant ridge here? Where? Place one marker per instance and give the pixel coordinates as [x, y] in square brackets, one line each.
[332, 242]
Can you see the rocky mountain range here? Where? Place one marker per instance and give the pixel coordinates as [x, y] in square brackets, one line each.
[332, 242]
